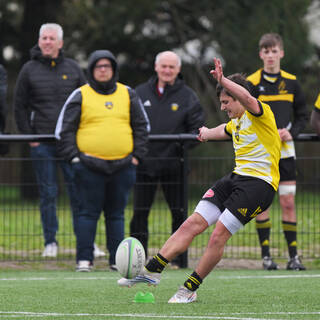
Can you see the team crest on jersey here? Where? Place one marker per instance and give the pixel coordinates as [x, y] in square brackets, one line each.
[109, 105]
[64, 77]
[174, 106]
[208, 194]
[282, 87]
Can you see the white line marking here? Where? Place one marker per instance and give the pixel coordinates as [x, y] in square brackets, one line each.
[226, 316]
[272, 276]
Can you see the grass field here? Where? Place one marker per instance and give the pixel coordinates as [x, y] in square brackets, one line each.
[225, 294]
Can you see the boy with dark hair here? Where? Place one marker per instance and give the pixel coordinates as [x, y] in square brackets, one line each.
[233, 200]
[282, 91]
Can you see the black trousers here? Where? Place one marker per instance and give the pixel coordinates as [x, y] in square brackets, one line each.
[144, 194]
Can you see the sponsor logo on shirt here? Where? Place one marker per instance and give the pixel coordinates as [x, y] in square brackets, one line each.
[174, 106]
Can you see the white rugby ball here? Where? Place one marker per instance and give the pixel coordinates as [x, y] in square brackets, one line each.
[130, 257]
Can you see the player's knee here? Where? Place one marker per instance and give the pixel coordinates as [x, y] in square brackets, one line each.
[192, 226]
[216, 241]
[287, 203]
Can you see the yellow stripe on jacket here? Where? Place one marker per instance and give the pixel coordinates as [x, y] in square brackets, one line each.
[317, 103]
[104, 130]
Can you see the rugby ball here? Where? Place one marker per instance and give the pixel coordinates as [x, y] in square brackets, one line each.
[130, 257]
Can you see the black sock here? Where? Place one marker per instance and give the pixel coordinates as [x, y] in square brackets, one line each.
[193, 282]
[263, 228]
[290, 233]
[157, 263]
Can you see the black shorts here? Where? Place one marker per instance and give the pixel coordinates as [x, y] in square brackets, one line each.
[287, 168]
[245, 197]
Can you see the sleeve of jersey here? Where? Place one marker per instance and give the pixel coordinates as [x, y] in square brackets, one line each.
[67, 126]
[228, 129]
[317, 104]
[253, 89]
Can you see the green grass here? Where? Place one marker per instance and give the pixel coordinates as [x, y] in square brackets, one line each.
[225, 294]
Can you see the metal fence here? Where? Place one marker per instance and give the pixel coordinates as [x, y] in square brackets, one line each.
[21, 236]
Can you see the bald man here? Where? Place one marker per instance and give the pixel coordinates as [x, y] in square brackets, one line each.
[172, 108]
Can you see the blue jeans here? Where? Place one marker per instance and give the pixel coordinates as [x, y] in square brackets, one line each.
[100, 192]
[45, 163]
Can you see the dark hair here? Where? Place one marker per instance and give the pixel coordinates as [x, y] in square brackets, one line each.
[238, 78]
[270, 40]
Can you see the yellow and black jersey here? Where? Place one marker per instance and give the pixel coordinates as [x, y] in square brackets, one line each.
[317, 103]
[282, 92]
[104, 130]
[256, 145]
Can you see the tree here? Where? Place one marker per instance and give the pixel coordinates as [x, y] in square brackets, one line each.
[137, 30]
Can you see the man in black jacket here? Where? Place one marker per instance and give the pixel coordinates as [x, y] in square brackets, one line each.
[172, 108]
[42, 87]
[102, 131]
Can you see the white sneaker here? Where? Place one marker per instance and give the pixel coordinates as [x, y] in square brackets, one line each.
[113, 267]
[50, 250]
[84, 266]
[97, 252]
[151, 278]
[183, 295]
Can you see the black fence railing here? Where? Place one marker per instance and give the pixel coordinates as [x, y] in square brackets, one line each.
[21, 236]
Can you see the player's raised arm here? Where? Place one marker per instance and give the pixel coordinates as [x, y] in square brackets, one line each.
[238, 92]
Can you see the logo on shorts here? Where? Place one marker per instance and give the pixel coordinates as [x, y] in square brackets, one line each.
[257, 211]
[208, 194]
[243, 211]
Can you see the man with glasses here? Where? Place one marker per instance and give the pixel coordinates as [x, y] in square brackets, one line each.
[102, 131]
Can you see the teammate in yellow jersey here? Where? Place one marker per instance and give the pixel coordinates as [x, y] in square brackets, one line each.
[315, 116]
[233, 200]
[282, 92]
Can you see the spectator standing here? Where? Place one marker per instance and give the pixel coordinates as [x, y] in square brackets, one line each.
[103, 132]
[233, 200]
[315, 116]
[172, 108]
[282, 91]
[42, 87]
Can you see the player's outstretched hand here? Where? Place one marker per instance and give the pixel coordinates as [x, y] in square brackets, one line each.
[217, 72]
[203, 134]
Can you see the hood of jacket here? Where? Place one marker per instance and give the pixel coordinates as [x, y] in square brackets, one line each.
[102, 87]
[36, 54]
